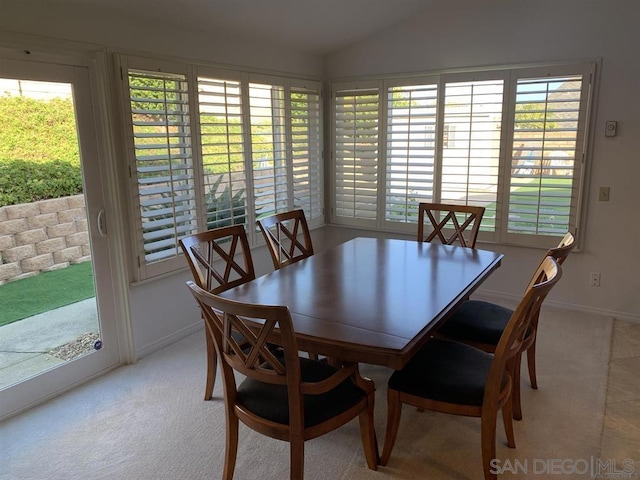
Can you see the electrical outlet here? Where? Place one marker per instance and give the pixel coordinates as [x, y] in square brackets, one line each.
[603, 194]
[594, 279]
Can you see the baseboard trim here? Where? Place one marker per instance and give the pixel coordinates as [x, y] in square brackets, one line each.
[169, 339]
[507, 297]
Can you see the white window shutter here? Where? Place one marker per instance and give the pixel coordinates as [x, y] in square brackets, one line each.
[269, 148]
[160, 125]
[411, 148]
[473, 113]
[222, 149]
[546, 157]
[306, 152]
[356, 155]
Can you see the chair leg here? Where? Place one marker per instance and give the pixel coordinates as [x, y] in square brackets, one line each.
[507, 418]
[212, 364]
[231, 449]
[296, 452]
[488, 433]
[368, 434]
[531, 364]
[515, 394]
[394, 410]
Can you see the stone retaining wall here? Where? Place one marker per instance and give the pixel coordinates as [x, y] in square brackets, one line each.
[42, 236]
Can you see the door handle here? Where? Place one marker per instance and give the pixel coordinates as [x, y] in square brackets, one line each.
[101, 223]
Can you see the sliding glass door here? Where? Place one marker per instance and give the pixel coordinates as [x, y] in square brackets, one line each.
[57, 323]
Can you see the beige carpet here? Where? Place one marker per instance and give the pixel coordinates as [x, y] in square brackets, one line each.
[148, 421]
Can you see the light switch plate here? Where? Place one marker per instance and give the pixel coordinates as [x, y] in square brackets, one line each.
[611, 128]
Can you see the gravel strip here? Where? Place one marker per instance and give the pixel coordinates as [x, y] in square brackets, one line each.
[83, 344]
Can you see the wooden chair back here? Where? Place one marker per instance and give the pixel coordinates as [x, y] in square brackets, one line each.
[564, 248]
[449, 223]
[518, 329]
[559, 254]
[257, 323]
[287, 236]
[213, 258]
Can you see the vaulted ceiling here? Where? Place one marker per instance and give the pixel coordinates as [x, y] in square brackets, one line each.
[311, 26]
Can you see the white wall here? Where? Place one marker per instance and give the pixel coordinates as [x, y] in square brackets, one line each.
[464, 34]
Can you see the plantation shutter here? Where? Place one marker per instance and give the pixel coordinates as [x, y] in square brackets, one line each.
[222, 149]
[471, 145]
[269, 148]
[306, 151]
[161, 133]
[356, 155]
[549, 129]
[411, 146]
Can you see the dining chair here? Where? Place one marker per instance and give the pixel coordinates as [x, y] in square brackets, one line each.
[282, 233]
[449, 223]
[459, 379]
[213, 259]
[481, 324]
[285, 396]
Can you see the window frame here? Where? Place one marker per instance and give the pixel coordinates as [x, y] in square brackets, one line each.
[143, 269]
[509, 74]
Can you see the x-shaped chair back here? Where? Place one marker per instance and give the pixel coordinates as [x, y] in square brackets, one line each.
[212, 257]
[287, 236]
[449, 223]
[256, 323]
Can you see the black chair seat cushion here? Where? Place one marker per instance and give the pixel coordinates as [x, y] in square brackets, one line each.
[445, 371]
[477, 321]
[271, 401]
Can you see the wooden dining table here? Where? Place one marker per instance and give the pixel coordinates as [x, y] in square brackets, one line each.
[372, 300]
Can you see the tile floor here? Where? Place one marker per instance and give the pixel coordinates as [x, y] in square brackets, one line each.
[621, 429]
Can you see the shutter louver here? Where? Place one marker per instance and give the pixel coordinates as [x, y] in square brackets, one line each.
[269, 147]
[163, 158]
[306, 151]
[543, 166]
[411, 143]
[471, 145]
[223, 156]
[356, 154]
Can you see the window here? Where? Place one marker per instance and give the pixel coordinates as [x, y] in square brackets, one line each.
[470, 165]
[511, 140]
[356, 155]
[547, 149]
[411, 147]
[268, 145]
[306, 149]
[222, 151]
[161, 139]
[211, 148]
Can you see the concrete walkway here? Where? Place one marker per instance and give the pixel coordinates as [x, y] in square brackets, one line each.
[24, 345]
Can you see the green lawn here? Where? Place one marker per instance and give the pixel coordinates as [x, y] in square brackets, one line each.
[49, 290]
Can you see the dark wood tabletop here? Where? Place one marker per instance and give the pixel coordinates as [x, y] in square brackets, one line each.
[372, 300]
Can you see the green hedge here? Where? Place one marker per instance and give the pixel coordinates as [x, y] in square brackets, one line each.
[25, 181]
[38, 130]
[39, 157]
